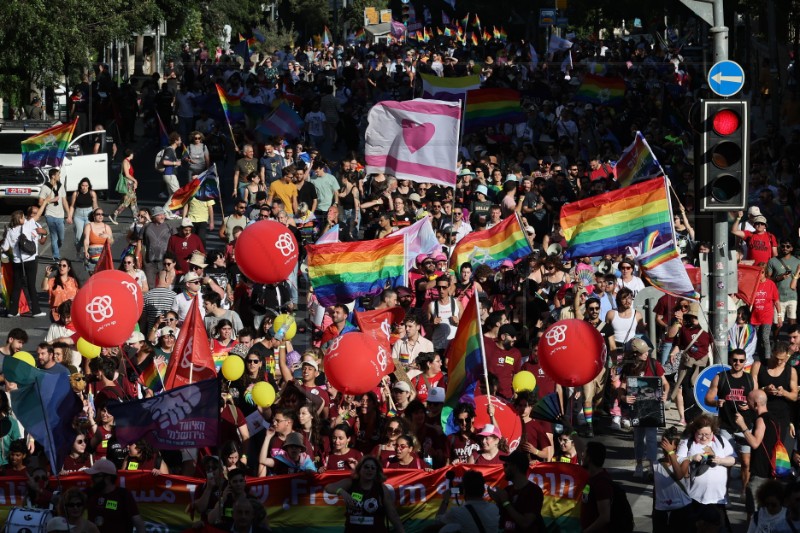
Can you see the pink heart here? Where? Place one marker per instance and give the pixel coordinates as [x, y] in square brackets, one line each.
[416, 135]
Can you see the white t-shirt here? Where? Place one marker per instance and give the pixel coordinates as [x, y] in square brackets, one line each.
[709, 487]
[12, 237]
[635, 284]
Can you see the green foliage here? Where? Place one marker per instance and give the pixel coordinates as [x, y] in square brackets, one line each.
[311, 15]
[352, 17]
[276, 36]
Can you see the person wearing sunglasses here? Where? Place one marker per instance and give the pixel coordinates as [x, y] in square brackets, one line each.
[71, 508]
[784, 270]
[79, 457]
[129, 267]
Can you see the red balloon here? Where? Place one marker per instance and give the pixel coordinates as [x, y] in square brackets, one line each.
[266, 252]
[121, 277]
[572, 352]
[105, 310]
[355, 363]
[504, 414]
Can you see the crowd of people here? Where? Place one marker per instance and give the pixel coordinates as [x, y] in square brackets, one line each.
[562, 152]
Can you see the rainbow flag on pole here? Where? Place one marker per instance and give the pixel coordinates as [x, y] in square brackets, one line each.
[465, 364]
[152, 376]
[507, 240]
[49, 147]
[662, 266]
[637, 163]
[231, 105]
[343, 271]
[610, 222]
[490, 107]
[203, 187]
[601, 90]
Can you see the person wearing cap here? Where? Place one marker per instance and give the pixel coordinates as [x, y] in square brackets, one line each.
[480, 204]
[111, 508]
[493, 446]
[291, 458]
[155, 238]
[184, 244]
[401, 396]
[503, 360]
[691, 351]
[308, 382]
[475, 515]
[761, 244]
[520, 503]
[183, 301]
[645, 439]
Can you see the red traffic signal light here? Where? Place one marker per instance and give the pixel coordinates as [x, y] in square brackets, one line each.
[726, 122]
[722, 155]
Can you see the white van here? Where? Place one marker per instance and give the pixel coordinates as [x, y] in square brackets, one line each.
[21, 183]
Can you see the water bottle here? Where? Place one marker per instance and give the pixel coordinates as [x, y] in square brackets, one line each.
[429, 461]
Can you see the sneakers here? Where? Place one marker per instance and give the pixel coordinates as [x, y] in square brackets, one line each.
[112, 218]
[615, 423]
[638, 473]
[39, 314]
[626, 424]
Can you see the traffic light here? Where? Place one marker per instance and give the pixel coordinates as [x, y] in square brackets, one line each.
[723, 155]
[406, 13]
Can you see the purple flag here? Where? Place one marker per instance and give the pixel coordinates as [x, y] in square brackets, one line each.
[184, 417]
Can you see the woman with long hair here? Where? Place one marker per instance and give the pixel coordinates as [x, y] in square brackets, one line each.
[168, 276]
[367, 483]
[493, 447]
[79, 457]
[368, 423]
[230, 455]
[23, 261]
[72, 506]
[223, 342]
[61, 287]
[82, 202]
[567, 450]
[128, 266]
[341, 456]
[311, 430]
[406, 455]
[431, 365]
[142, 456]
[95, 235]
[129, 200]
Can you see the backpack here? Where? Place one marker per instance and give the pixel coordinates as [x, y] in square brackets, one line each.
[621, 512]
[779, 457]
[26, 245]
[160, 161]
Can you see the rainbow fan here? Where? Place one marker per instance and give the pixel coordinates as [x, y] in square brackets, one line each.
[548, 409]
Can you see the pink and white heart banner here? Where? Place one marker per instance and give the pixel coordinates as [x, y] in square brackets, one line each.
[415, 140]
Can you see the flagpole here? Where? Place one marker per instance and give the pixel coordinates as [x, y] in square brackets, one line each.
[56, 468]
[405, 260]
[483, 349]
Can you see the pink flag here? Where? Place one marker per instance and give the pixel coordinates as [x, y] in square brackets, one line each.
[415, 140]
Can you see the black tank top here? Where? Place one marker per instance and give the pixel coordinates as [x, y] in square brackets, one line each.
[368, 515]
[83, 200]
[760, 458]
[778, 406]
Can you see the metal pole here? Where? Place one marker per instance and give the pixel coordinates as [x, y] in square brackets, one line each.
[718, 258]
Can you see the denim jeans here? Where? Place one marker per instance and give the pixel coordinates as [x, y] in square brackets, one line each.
[80, 218]
[56, 227]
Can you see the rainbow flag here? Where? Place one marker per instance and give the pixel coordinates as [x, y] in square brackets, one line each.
[163, 136]
[601, 90]
[661, 265]
[327, 38]
[428, 34]
[474, 38]
[782, 467]
[495, 32]
[502, 35]
[465, 21]
[637, 163]
[465, 364]
[507, 240]
[439, 32]
[490, 107]
[49, 147]
[343, 271]
[477, 22]
[610, 222]
[486, 35]
[231, 105]
[361, 35]
[152, 376]
[196, 188]
[448, 89]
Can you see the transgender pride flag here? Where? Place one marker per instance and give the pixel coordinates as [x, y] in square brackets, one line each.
[283, 121]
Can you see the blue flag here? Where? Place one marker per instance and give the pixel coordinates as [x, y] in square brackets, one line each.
[45, 405]
[183, 417]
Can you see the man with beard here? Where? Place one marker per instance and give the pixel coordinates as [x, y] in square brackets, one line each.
[503, 360]
[111, 508]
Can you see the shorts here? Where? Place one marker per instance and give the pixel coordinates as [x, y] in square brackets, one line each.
[789, 309]
[737, 441]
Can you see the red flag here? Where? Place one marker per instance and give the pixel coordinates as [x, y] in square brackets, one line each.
[749, 276]
[191, 359]
[106, 260]
[378, 323]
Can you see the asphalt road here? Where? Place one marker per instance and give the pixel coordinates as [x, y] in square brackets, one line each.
[620, 444]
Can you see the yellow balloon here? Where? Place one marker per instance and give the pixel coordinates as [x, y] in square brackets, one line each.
[523, 381]
[233, 367]
[263, 394]
[87, 349]
[25, 356]
[287, 324]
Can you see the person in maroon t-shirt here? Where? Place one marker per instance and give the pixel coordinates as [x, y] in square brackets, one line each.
[464, 443]
[493, 446]
[342, 456]
[521, 501]
[537, 435]
[503, 360]
[596, 504]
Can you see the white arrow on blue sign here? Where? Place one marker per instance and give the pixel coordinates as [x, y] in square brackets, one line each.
[726, 78]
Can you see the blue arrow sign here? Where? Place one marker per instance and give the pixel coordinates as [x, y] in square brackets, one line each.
[704, 383]
[726, 78]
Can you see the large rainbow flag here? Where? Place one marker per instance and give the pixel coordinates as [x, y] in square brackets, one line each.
[465, 364]
[492, 246]
[610, 222]
[601, 90]
[152, 376]
[203, 187]
[490, 107]
[448, 89]
[343, 271]
[661, 265]
[231, 105]
[637, 163]
[49, 147]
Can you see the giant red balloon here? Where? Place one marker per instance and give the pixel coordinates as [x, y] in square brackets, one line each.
[504, 414]
[572, 352]
[105, 310]
[266, 252]
[121, 277]
[355, 363]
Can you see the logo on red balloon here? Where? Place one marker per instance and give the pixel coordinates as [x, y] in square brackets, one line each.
[557, 334]
[334, 344]
[382, 359]
[285, 244]
[100, 309]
